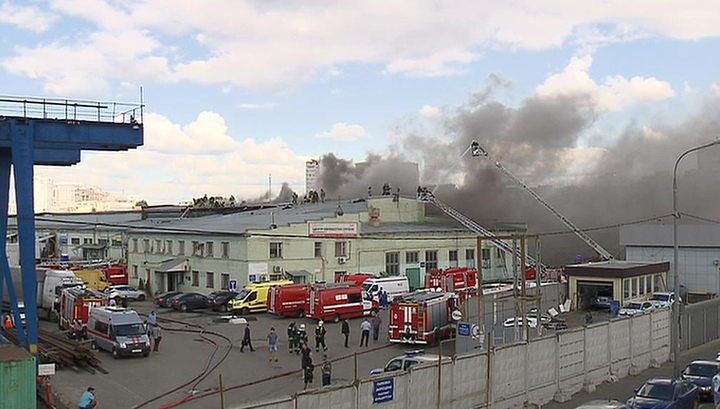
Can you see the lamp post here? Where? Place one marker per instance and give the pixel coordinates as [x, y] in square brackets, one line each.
[675, 326]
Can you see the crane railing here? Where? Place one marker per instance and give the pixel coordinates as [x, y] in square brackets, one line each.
[71, 110]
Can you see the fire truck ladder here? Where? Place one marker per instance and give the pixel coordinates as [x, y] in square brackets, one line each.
[477, 150]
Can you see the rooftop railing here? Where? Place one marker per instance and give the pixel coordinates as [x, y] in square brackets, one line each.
[71, 110]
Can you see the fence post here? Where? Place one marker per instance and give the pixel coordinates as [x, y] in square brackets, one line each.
[222, 393]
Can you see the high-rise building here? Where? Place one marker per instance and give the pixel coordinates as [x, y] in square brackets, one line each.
[312, 170]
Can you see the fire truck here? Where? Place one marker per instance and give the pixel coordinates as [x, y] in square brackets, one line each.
[116, 274]
[422, 316]
[333, 302]
[288, 300]
[76, 303]
[356, 279]
[451, 279]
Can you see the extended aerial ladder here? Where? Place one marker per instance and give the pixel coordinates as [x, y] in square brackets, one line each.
[478, 151]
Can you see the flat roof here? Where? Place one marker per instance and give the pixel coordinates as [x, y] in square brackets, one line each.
[617, 269]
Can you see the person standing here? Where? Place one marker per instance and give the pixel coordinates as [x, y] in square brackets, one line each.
[77, 329]
[716, 389]
[8, 324]
[346, 331]
[152, 319]
[302, 336]
[376, 324]
[273, 342]
[306, 364]
[156, 336]
[246, 341]
[320, 337]
[365, 327]
[292, 339]
[88, 400]
[326, 370]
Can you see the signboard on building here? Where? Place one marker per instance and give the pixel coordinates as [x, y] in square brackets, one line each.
[463, 329]
[46, 369]
[384, 390]
[232, 285]
[332, 230]
[469, 337]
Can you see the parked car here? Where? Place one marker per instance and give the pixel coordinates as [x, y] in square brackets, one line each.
[602, 404]
[662, 300]
[603, 302]
[634, 308]
[701, 373]
[125, 291]
[403, 362]
[190, 301]
[218, 300]
[164, 300]
[665, 394]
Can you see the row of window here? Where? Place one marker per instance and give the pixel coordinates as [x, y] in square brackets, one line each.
[342, 249]
[210, 280]
[199, 249]
[643, 285]
[392, 259]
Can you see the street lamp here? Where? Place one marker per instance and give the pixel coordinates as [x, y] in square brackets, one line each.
[675, 326]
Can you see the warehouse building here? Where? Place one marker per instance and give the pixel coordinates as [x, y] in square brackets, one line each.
[309, 242]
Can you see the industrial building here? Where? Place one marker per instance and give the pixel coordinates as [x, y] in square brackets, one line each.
[699, 251]
[310, 242]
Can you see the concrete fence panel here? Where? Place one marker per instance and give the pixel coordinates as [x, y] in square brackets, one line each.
[469, 381]
[423, 387]
[509, 371]
[620, 347]
[341, 397]
[597, 346]
[542, 370]
[660, 336]
[282, 403]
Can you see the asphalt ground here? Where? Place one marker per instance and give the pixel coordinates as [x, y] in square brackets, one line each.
[625, 387]
[132, 381]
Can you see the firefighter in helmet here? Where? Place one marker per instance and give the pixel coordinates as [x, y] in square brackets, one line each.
[292, 338]
[320, 337]
[302, 338]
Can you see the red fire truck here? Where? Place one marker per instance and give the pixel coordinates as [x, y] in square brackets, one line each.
[288, 300]
[419, 317]
[76, 302]
[333, 302]
[116, 274]
[356, 279]
[452, 279]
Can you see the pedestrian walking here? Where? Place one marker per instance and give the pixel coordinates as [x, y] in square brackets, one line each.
[716, 389]
[292, 338]
[273, 342]
[365, 327]
[156, 336]
[306, 364]
[152, 319]
[326, 370]
[302, 336]
[320, 337]
[376, 324]
[88, 399]
[346, 331]
[77, 330]
[246, 341]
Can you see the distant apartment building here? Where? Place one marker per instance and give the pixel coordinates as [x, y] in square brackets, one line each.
[312, 171]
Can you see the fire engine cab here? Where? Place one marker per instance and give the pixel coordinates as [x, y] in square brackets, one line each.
[422, 316]
[333, 302]
[76, 303]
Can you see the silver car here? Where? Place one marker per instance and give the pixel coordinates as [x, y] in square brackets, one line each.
[636, 308]
[119, 292]
[602, 404]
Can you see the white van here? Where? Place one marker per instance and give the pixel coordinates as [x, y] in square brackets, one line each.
[118, 331]
[393, 286]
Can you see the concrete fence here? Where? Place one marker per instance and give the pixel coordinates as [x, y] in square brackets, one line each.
[509, 376]
[699, 323]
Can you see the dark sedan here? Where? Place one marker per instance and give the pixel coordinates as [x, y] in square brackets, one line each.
[190, 301]
[701, 373]
[164, 300]
[219, 299]
[665, 394]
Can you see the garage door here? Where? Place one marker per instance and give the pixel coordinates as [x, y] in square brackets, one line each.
[588, 291]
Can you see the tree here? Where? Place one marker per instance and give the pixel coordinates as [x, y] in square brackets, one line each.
[141, 203]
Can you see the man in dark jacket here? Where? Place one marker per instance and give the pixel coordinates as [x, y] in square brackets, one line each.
[376, 324]
[306, 364]
[247, 341]
[292, 338]
[320, 337]
[346, 331]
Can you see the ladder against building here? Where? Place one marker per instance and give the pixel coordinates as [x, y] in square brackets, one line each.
[41, 131]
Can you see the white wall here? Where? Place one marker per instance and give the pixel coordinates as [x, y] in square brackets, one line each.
[698, 268]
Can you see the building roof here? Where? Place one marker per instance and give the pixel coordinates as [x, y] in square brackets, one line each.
[385, 228]
[616, 269]
[79, 221]
[172, 265]
[661, 235]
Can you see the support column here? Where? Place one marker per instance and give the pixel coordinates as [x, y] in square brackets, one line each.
[5, 276]
[21, 136]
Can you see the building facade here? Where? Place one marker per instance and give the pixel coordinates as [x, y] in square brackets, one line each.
[312, 170]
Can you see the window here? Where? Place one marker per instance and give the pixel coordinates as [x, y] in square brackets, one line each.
[339, 274]
[485, 258]
[648, 285]
[626, 288]
[210, 279]
[394, 365]
[392, 263]
[341, 249]
[135, 272]
[353, 298]
[87, 241]
[642, 285]
[103, 242]
[453, 258]
[75, 240]
[431, 260]
[251, 297]
[181, 247]
[633, 287]
[134, 247]
[276, 250]
[225, 249]
[146, 245]
[168, 246]
[158, 246]
[197, 249]
[412, 257]
[196, 279]
[117, 241]
[225, 281]
[498, 253]
[209, 250]
[318, 249]
[659, 284]
[470, 258]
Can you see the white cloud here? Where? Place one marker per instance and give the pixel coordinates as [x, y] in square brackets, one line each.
[335, 91]
[26, 17]
[264, 105]
[430, 112]
[653, 135]
[334, 72]
[715, 89]
[613, 95]
[207, 134]
[271, 45]
[687, 88]
[343, 132]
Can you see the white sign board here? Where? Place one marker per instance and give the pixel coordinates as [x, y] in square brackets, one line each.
[46, 369]
[257, 268]
[332, 230]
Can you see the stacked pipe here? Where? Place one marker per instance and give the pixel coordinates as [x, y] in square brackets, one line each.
[64, 352]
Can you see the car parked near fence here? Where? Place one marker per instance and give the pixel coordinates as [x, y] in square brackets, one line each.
[701, 373]
[634, 308]
[665, 394]
[164, 300]
[190, 301]
[403, 362]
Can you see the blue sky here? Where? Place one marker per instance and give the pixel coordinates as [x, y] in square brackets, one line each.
[236, 90]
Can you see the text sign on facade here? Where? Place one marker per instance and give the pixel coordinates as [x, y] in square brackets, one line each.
[232, 286]
[464, 329]
[384, 390]
[46, 369]
[332, 230]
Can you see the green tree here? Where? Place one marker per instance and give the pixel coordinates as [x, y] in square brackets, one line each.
[141, 203]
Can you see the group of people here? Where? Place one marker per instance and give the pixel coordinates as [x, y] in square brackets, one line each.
[310, 197]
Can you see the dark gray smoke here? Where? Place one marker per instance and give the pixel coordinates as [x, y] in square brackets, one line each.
[340, 177]
[630, 181]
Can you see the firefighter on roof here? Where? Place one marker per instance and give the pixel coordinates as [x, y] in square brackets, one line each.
[320, 337]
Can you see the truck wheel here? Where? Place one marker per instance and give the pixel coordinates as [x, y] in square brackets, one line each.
[183, 308]
[245, 311]
[336, 318]
[141, 297]
[115, 354]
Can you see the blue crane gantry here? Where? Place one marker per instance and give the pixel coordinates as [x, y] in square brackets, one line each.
[39, 131]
